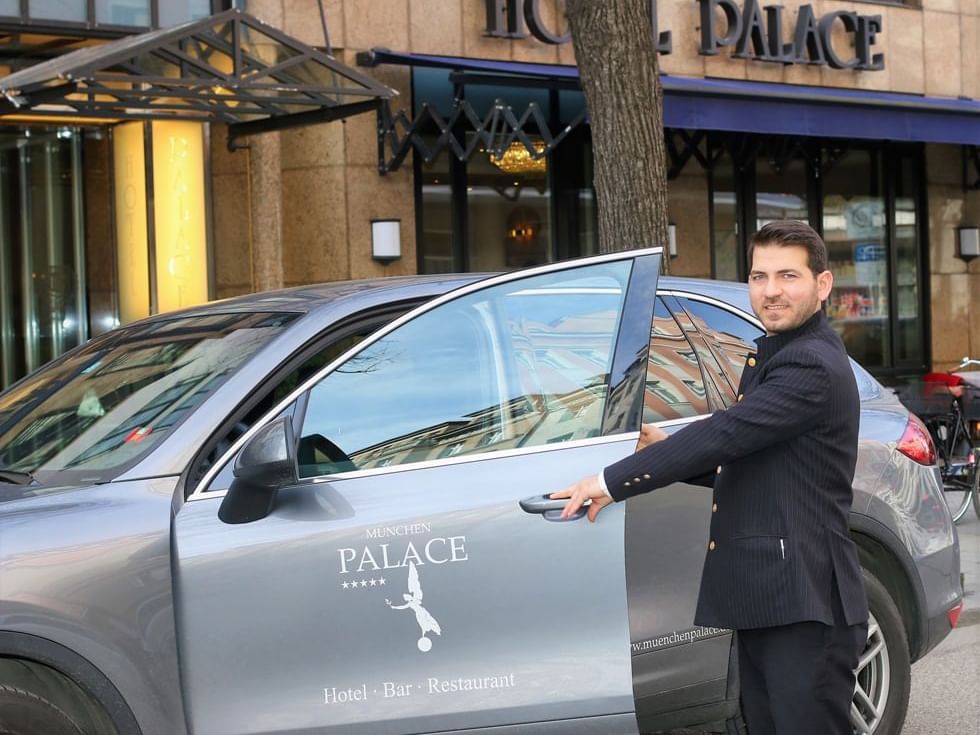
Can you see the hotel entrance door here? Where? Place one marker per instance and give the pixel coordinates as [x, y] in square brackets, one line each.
[42, 271]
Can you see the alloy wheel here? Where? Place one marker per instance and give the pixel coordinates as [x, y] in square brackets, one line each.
[873, 682]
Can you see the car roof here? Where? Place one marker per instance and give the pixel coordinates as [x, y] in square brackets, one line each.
[304, 299]
[308, 298]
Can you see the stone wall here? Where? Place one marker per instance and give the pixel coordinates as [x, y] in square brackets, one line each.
[331, 188]
[954, 283]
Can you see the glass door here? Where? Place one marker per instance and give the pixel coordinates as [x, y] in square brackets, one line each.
[855, 230]
[42, 282]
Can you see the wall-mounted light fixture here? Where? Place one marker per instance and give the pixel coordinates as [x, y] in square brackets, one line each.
[672, 240]
[969, 243]
[386, 239]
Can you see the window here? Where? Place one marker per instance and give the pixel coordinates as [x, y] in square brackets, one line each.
[730, 337]
[339, 341]
[717, 390]
[105, 406]
[123, 12]
[674, 385]
[520, 364]
[866, 201]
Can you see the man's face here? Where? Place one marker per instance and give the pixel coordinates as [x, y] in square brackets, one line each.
[783, 289]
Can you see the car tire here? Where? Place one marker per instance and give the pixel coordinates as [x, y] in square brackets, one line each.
[884, 674]
[25, 713]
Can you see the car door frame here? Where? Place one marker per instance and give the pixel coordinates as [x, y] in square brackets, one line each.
[628, 361]
[626, 372]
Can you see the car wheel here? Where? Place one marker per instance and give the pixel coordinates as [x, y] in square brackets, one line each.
[25, 713]
[881, 694]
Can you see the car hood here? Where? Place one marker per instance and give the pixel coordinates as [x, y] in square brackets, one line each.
[10, 493]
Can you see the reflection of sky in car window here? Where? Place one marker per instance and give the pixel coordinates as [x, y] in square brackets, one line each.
[464, 366]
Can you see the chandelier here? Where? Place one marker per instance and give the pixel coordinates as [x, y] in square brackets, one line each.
[517, 159]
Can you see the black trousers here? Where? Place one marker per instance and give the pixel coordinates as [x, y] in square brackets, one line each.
[799, 679]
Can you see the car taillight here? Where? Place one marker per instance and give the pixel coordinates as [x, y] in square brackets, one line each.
[916, 444]
[954, 614]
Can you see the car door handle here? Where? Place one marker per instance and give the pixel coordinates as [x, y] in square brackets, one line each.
[551, 508]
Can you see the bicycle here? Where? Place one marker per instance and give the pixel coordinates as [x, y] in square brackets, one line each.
[950, 409]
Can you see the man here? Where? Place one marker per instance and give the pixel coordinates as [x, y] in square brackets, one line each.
[780, 568]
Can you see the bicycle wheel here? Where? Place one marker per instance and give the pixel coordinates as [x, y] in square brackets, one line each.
[958, 494]
[957, 465]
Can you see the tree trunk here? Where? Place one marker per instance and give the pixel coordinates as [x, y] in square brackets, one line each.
[617, 60]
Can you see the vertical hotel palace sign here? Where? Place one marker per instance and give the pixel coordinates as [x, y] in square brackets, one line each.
[755, 32]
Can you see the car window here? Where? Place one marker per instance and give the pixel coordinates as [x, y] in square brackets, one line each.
[730, 337]
[273, 396]
[102, 407]
[674, 384]
[520, 364]
[717, 390]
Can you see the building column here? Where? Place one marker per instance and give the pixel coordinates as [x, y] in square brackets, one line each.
[265, 211]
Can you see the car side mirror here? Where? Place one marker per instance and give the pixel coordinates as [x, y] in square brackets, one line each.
[265, 464]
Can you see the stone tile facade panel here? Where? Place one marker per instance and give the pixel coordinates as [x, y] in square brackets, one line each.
[370, 23]
[905, 56]
[951, 307]
[314, 225]
[946, 205]
[314, 145]
[941, 39]
[370, 196]
[942, 6]
[301, 19]
[681, 18]
[231, 246]
[970, 45]
[224, 161]
[436, 27]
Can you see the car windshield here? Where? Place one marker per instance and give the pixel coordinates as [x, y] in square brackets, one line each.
[99, 409]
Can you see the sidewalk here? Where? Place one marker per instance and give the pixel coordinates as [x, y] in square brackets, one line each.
[945, 683]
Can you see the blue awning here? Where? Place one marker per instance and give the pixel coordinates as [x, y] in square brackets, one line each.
[762, 107]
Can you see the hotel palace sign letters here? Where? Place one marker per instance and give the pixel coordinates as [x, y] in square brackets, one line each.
[755, 32]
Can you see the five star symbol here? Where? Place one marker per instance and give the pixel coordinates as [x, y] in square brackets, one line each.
[362, 583]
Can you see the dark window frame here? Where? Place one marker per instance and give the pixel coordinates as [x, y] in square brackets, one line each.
[888, 159]
[89, 28]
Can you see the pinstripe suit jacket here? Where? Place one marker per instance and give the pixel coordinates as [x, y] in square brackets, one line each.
[779, 548]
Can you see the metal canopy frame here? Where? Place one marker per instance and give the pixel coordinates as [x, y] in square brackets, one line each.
[229, 68]
[398, 134]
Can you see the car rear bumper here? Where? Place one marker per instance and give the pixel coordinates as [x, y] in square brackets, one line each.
[940, 574]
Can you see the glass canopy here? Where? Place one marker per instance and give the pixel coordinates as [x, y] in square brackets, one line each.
[230, 68]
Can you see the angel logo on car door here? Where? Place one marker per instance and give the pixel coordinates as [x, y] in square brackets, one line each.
[413, 602]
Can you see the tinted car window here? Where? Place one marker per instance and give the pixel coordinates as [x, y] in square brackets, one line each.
[102, 407]
[717, 390]
[331, 351]
[674, 385]
[516, 365]
[730, 337]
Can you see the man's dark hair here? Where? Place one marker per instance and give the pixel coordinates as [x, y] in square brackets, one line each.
[793, 232]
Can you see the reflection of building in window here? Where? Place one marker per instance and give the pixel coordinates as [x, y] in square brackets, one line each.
[477, 432]
[730, 350]
[558, 373]
[674, 386]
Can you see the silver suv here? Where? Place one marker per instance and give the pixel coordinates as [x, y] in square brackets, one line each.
[321, 510]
